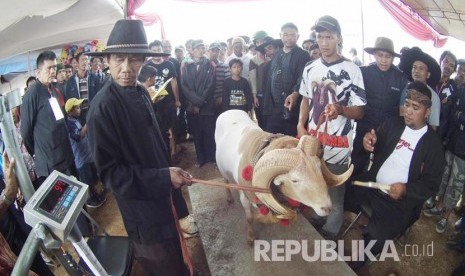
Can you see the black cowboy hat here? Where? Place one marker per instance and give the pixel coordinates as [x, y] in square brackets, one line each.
[127, 37]
[407, 59]
[278, 43]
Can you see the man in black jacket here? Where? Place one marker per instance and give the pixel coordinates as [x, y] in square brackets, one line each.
[131, 157]
[408, 157]
[83, 85]
[198, 85]
[282, 101]
[43, 125]
[384, 83]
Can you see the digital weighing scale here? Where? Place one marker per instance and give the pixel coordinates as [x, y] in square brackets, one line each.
[57, 204]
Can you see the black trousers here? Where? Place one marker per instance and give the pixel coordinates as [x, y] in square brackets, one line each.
[203, 129]
[276, 124]
[162, 258]
[259, 112]
[389, 219]
[180, 204]
[360, 157]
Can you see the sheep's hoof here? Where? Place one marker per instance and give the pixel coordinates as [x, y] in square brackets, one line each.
[250, 240]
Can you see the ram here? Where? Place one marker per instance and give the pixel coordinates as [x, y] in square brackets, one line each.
[291, 168]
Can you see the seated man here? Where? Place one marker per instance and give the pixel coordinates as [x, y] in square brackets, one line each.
[408, 156]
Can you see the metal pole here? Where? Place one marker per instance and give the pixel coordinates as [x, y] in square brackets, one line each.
[125, 9]
[363, 32]
[10, 138]
[85, 253]
[29, 251]
[29, 69]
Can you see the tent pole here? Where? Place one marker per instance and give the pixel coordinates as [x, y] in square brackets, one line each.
[125, 9]
[29, 62]
[363, 32]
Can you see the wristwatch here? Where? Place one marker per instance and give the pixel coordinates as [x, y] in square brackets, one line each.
[5, 199]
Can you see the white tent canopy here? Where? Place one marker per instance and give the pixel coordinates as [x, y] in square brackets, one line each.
[30, 25]
[447, 17]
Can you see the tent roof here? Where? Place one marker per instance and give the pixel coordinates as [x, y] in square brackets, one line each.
[447, 17]
[30, 25]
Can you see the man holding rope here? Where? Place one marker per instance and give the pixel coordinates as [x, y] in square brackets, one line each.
[332, 86]
[132, 159]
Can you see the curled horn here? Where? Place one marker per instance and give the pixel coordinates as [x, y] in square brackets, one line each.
[272, 164]
[310, 145]
[335, 179]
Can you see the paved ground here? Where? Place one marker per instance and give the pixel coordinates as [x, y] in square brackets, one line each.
[223, 233]
[423, 234]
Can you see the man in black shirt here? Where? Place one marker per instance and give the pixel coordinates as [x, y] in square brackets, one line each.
[166, 107]
[285, 75]
[131, 157]
[43, 125]
[384, 83]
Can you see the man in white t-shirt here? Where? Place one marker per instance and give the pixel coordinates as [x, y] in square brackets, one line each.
[332, 86]
[408, 156]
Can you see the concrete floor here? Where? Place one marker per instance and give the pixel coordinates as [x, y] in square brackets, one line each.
[222, 232]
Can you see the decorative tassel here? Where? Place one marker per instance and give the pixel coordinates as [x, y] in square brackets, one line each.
[304, 208]
[263, 210]
[293, 203]
[255, 200]
[247, 173]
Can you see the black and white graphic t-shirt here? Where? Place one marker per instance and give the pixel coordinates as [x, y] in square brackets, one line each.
[237, 94]
[165, 71]
[326, 83]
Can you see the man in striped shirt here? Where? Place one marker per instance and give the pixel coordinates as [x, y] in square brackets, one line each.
[221, 73]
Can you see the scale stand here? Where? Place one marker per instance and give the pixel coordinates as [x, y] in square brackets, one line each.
[52, 210]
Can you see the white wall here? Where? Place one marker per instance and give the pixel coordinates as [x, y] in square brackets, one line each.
[17, 82]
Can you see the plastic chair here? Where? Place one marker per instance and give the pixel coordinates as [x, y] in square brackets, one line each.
[114, 254]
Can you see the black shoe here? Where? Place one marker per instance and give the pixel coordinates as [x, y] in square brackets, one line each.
[459, 270]
[95, 201]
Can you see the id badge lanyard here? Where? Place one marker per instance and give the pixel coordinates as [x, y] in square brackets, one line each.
[55, 108]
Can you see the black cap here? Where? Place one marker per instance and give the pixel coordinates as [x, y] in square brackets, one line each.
[327, 23]
[215, 45]
[197, 43]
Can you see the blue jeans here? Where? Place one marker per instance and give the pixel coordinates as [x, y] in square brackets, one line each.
[88, 175]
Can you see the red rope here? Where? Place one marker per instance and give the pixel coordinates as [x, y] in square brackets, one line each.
[185, 253]
[320, 121]
[231, 186]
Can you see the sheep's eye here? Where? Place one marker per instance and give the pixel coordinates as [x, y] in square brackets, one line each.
[294, 180]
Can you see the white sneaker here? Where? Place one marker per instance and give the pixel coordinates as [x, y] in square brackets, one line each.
[188, 226]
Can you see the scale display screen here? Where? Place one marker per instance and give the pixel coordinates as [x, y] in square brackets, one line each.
[56, 204]
[57, 201]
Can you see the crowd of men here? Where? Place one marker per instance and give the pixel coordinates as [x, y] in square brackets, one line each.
[399, 125]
